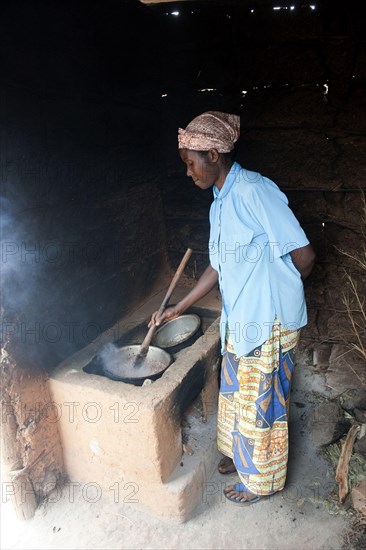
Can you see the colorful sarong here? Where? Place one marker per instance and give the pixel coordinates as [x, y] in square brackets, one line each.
[253, 410]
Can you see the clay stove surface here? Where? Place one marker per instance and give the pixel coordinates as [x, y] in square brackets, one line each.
[129, 439]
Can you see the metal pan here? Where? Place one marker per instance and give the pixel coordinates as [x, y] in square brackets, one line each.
[178, 333]
[118, 364]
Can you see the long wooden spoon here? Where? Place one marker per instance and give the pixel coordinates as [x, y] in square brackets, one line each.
[149, 336]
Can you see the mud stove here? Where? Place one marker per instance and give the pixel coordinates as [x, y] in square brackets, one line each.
[150, 446]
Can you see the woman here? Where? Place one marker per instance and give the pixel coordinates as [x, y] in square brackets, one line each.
[259, 255]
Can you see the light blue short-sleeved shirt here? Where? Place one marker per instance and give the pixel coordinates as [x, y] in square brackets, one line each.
[253, 231]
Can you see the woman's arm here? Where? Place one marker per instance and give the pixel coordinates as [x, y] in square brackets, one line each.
[303, 259]
[204, 284]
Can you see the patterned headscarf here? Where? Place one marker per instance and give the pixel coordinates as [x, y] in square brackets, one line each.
[211, 130]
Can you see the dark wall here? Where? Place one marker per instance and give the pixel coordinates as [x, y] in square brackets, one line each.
[92, 95]
[83, 234]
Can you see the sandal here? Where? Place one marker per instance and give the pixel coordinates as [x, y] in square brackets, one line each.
[230, 470]
[239, 487]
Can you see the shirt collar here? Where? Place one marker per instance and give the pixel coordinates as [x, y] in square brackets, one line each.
[229, 181]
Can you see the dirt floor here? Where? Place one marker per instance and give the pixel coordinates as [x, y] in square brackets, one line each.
[298, 518]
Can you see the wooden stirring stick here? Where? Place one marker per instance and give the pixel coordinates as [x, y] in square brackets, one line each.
[149, 336]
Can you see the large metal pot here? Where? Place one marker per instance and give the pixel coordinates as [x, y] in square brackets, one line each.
[120, 364]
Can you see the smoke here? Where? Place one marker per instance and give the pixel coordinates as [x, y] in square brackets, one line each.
[110, 357]
[37, 316]
[19, 266]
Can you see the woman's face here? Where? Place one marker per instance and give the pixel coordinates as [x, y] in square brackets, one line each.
[201, 168]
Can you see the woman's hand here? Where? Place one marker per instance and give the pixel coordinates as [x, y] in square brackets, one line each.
[205, 283]
[168, 314]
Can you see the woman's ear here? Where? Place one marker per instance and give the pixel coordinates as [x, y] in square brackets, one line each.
[213, 155]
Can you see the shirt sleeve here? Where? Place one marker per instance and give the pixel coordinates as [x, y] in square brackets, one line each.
[269, 207]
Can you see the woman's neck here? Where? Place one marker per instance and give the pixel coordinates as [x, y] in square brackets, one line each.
[224, 170]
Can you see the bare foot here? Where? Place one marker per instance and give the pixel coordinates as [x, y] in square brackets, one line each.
[240, 496]
[226, 466]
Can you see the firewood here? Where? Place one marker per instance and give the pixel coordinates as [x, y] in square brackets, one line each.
[343, 463]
